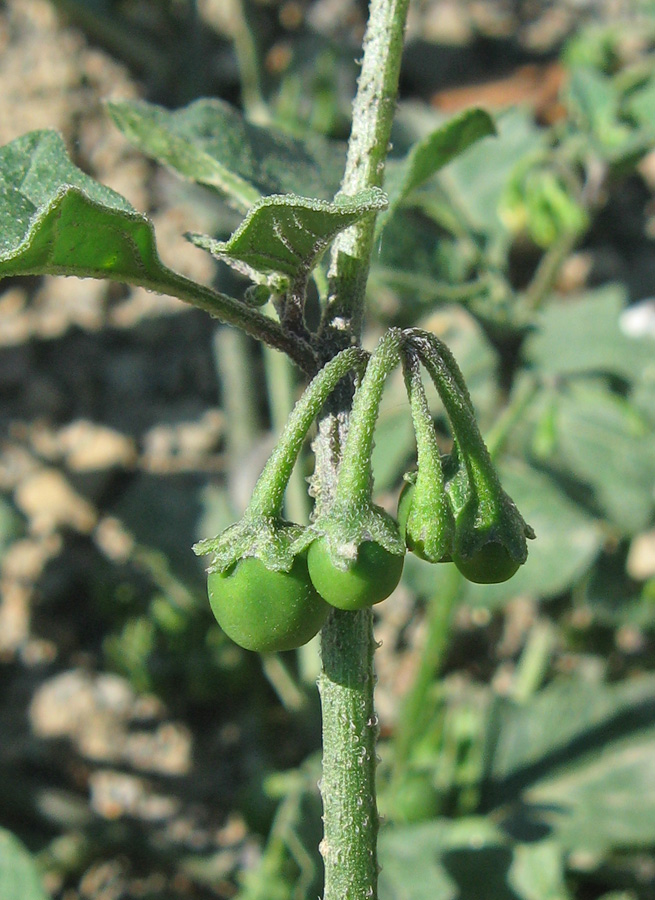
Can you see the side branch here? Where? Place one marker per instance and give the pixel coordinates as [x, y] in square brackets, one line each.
[232, 312]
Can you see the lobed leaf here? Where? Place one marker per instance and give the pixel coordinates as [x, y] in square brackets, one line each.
[211, 143]
[286, 234]
[55, 219]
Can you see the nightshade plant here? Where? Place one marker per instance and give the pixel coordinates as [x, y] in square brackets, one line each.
[274, 584]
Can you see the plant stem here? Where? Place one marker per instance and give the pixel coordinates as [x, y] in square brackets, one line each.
[449, 382]
[373, 112]
[349, 846]
[548, 271]
[281, 385]
[232, 357]
[248, 62]
[234, 312]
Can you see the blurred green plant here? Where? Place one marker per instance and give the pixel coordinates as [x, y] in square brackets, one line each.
[542, 787]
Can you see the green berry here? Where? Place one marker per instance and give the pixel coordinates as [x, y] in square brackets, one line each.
[370, 578]
[265, 610]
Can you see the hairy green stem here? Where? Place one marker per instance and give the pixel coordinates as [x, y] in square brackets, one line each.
[373, 112]
[429, 479]
[281, 389]
[350, 818]
[233, 312]
[449, 382]
[349, 845]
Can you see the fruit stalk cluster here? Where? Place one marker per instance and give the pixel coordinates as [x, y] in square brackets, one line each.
[273, 583]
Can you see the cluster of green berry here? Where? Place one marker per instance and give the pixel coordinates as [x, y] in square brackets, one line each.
[273, 583]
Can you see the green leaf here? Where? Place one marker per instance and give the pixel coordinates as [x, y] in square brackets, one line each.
[19, 877]
[604, 802]
[467, 859]
[581, 756]
[287, 235]
[604, 442]
[641, 105]
[432, 153]
[592, 99]
[211, 143]
[538, 871]
[583, 335]
[476, 181]
[595, 101]
[568, 718]
[55, 219]
[405, 850]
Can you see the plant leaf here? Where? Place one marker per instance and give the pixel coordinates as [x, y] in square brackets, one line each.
[606, 801]
[568, 718]
[586, 332]
[286, 234]
[477, 180]
[467, 859]
[211, 143]
[56, 220]
[19, 877]
[538, 871]
[405, 850]
[594, 101]
[579, 758]
[604, 442]
[432, 153]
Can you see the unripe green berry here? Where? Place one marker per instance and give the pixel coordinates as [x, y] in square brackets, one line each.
[369, 578]
[265, 610]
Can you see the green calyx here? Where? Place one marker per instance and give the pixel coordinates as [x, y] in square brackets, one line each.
[427, 526]
[490, 535]
[424, 514]
[270, 539]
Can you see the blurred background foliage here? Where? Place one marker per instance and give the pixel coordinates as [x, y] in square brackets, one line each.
[143, 754]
